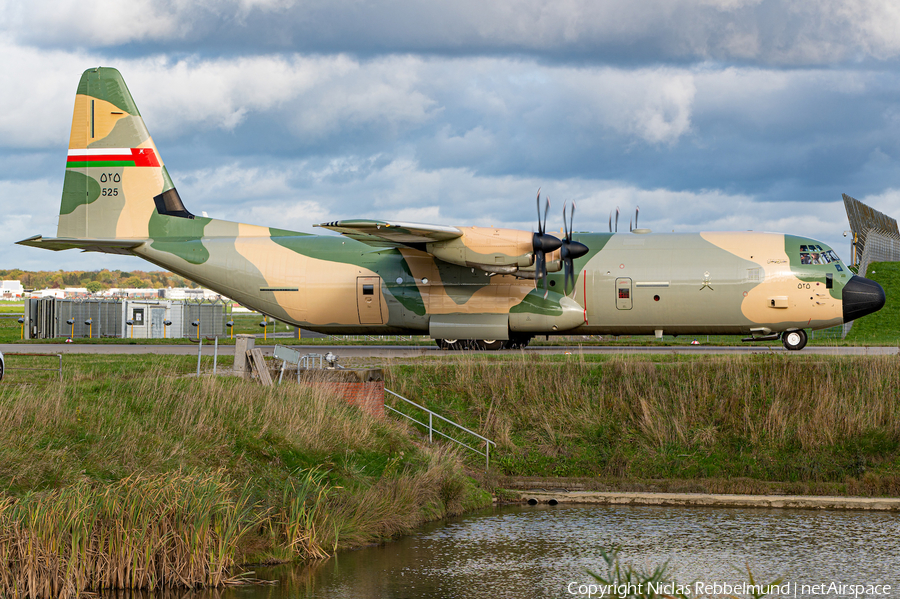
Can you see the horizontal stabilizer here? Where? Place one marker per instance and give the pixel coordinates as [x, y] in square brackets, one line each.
[393, 232]
[107, 246]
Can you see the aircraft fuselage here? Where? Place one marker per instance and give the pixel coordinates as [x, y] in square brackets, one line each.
[712, 283]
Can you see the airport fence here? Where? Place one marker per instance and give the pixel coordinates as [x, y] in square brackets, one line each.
[880, 247]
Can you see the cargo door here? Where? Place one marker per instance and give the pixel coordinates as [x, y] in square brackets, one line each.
[623, 293]
[368, 300]
[157, 316]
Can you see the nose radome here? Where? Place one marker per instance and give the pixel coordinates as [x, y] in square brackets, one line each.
[861, 296]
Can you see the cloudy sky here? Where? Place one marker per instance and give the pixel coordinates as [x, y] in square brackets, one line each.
[708, 114]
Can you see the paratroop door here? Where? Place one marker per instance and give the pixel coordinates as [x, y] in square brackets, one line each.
[368, 300]
[623, 293]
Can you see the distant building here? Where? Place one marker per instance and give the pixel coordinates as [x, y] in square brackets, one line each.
[67, 293]
[11, 290]
[131, 292]
[188, 293]
[170, 293]
[42, 293]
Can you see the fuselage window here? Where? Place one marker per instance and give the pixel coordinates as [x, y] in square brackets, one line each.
[624, 292]
[368, 290]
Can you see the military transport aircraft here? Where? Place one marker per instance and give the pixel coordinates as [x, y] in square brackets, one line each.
[480, 287]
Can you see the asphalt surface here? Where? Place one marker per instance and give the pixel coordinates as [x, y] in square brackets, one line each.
[401, 351]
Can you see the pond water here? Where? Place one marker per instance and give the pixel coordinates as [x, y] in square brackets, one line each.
[543, 551]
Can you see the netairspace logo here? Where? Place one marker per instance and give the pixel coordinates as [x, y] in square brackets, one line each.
[788, 589]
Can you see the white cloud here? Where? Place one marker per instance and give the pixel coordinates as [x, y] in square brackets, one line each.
[651, 104]
[314, 96]
[97, 23]
[37, 91]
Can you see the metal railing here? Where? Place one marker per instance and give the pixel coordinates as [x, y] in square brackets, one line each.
[58, 356]
[385, 338]
[433, 431]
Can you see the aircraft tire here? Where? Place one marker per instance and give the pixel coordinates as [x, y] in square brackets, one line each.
[518, 342]
[490, 344]
[452, 344]
[794, 340]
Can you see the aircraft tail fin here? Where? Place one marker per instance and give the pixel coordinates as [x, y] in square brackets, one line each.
[115, 180]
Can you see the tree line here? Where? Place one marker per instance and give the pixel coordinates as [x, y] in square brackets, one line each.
[96, 280]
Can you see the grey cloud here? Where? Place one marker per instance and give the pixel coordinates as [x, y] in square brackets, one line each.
[772, 32]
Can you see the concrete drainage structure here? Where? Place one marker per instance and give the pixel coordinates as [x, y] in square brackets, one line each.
[711, 500]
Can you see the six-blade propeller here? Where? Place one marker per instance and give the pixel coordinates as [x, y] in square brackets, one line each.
[542, 244]
[569, 249]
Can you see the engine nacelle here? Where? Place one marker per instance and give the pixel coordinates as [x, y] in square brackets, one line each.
[493, 250]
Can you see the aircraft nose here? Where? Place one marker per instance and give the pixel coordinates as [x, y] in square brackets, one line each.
[861, 296]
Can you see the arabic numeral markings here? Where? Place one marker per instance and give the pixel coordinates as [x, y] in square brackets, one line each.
[803, 286]
[107, 177]
[109, 191]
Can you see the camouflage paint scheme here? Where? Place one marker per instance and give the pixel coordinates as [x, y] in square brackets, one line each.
[389, 278]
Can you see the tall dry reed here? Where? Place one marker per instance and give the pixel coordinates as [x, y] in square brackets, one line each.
[65, 528]
[813, 401]
[302, 524]
[143, 532]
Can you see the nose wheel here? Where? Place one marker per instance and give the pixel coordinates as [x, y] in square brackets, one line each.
[794, 340]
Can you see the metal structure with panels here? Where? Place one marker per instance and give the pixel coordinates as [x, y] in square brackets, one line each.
[211, 317]
[49, 318]
[875, 235]
[864, 221]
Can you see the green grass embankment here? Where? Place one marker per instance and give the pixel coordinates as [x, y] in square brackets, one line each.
[128, 475]
[763, 423]
[882, 327]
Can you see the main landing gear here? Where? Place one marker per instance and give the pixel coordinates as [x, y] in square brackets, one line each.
[794, 340]
[515, 342]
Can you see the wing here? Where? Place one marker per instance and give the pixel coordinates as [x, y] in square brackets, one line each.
[496, 251]
[392, 233]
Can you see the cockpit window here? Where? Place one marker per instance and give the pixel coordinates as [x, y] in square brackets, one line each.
[814, 254]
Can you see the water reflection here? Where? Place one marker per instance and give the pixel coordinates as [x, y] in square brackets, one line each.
[538, 551]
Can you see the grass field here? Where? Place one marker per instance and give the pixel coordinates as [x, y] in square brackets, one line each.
[762, 423]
